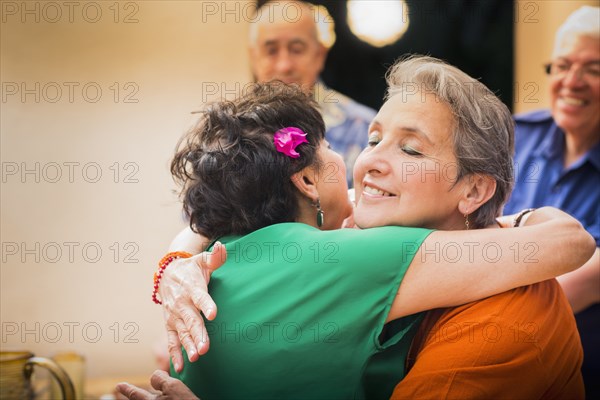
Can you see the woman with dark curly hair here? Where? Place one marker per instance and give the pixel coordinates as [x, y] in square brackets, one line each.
[307, 311]
[234, 180]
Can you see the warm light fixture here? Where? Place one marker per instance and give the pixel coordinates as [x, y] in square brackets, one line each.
[378, 22]
[325, 26]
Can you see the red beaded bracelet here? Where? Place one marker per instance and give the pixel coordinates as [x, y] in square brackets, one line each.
[162, 264]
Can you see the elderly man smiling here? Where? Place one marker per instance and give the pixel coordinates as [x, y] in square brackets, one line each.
[558, 164]
[288, 43]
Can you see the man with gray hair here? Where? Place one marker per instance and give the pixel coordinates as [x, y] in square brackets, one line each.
[289, 41]
[558, 164]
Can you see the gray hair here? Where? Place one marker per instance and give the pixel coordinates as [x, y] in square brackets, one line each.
[585, 21]
[483, 136]
[324, 24]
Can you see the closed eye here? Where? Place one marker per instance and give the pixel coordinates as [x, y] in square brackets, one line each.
[410, 151]
[373, 140]
[562, 66]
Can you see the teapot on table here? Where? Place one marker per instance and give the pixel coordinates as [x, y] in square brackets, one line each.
[16, 368]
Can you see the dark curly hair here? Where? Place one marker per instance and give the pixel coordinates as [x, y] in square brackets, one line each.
[233, 179]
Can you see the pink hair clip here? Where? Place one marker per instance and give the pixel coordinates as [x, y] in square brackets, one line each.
[287, 139]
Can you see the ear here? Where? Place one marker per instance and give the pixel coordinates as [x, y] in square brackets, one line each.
[252, 58]
[321, 56]
[306, 183]
[478, 190]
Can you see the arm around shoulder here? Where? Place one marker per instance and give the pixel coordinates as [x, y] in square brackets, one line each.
[457, 267]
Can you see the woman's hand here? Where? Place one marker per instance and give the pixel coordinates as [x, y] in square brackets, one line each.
[506, 221]
[349, 222]
[184, 293]
[168, 388]
[514, 220]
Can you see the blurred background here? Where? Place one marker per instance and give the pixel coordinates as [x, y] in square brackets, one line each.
[94, 98]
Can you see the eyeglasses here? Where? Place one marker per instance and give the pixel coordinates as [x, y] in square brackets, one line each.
[560, 69]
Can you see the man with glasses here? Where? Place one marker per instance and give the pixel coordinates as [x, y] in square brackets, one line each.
[557, 164]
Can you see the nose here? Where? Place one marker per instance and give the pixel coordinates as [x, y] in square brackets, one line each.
[374, 161]
[574, 78]
[284, 64]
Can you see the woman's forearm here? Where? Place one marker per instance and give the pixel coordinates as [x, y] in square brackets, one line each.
[189, 241]
[457, 267]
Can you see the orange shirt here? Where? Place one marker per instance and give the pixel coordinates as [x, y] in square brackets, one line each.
[521, 344]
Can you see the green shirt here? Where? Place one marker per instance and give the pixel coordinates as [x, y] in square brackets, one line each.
[300, 312]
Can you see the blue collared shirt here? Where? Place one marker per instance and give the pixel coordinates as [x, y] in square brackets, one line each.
[541, 178]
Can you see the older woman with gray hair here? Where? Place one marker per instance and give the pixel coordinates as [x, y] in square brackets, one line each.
[484, 349]
[416, 172]
[557, 157]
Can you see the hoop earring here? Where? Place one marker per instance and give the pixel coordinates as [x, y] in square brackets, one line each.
[467, 221]
[320, 214]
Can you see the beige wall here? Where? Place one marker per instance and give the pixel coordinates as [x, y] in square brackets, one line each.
[168, 62]
[535, 25]
[165, 61]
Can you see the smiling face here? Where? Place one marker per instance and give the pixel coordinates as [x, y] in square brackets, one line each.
[575, 85]
[406, 176]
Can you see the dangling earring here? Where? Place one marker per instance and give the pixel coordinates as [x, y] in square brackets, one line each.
[320, 214]
[467, 221]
